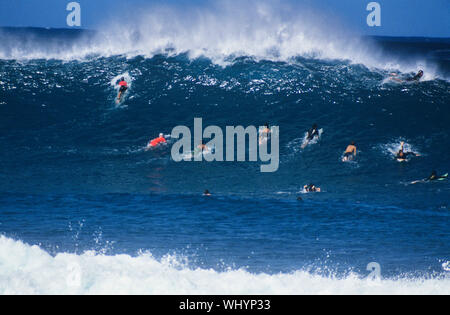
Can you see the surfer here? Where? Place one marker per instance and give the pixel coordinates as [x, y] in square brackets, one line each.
[206, 193]
[434, 176]
[311, 188]
[312, 134]
[157, 141]
[350, 152]
[415, 78]
[264, 134]
[402, 155]
[123, 87]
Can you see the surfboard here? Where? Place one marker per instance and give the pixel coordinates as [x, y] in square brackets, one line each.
[122, 97]
[305, 144]
[119, 100]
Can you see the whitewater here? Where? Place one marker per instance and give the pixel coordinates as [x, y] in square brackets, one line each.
[28, 269]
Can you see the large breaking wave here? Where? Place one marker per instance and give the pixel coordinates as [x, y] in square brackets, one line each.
[221, 32]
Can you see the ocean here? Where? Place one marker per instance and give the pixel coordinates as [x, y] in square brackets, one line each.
[84, 209]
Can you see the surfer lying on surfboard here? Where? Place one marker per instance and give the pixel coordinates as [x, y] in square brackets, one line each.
[415, 78]
[156, 142]
[313, 133]
[311, 188]
[432, 177]
[402, 155]
[123, 87]
[349, 153]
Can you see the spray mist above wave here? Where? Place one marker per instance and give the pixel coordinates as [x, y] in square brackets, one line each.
[264, 30]
[260, 29]
[30, 270]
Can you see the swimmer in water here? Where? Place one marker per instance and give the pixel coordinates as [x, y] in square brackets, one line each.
[350, 152]
[311, 188]
[156, 142]
[402, 155]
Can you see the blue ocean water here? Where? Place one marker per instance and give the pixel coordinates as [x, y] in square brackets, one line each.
[79, 192]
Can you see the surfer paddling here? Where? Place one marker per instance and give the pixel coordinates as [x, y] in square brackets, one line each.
[350, 152]
[311, 188]
[313, 133]
[156, 142]
[433, 177]
[402, 155]
[123, 87]
[415, 78]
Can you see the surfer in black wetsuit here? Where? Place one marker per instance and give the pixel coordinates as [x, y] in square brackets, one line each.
[417, 77]
[311, 135]
[313, 132]
[402, 155]
[434, 176]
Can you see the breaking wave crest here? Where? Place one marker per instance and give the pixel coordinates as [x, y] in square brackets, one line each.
[221, 32]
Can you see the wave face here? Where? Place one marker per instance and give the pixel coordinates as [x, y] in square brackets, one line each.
[77, 184]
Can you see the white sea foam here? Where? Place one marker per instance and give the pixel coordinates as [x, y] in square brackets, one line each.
[26, 269]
